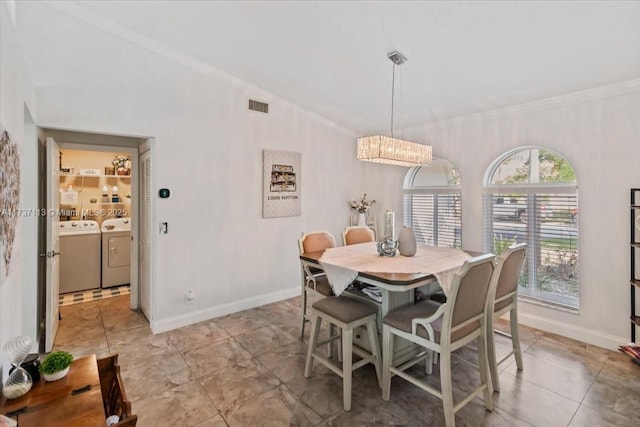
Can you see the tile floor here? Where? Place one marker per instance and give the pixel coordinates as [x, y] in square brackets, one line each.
[246, 369]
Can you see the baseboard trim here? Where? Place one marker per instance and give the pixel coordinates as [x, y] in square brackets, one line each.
[588, 336]
[164, 325]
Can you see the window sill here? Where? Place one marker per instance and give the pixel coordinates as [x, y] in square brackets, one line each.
[547, 304]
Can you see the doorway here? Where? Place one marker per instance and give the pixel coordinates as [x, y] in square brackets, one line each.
[87, 168]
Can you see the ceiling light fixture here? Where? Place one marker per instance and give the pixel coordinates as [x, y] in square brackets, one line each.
[390, 150]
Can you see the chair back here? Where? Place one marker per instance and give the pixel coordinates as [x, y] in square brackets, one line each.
[468, 296]
[316, 241]
[357, 234]
[507, 274]
[114, 396]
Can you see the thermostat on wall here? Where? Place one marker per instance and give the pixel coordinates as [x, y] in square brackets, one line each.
[164, 193]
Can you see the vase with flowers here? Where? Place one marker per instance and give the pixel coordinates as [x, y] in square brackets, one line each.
[362, 207]
[122, 164]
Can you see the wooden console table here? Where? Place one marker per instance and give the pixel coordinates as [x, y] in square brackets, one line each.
[75, 400]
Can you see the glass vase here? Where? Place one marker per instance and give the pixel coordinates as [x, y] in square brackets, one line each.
[18, 383]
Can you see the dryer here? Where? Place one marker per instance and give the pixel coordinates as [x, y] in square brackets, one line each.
[116, 252]
[79, 256]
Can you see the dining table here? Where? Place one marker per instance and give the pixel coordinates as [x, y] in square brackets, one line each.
[430, 269]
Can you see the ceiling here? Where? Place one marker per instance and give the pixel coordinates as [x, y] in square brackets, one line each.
[331, 57]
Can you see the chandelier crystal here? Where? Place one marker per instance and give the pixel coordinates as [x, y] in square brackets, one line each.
[393, 151]
[390, 150]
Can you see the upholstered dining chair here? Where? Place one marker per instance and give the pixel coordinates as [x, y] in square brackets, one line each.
[314, 280]
[443, 328]
[357, 234]
[505, 288]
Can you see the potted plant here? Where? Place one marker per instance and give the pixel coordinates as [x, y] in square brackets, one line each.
[56, 365]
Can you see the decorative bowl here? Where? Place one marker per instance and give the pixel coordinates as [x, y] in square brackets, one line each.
[56, 375]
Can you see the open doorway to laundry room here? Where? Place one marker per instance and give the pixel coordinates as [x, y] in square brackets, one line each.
[97, 222]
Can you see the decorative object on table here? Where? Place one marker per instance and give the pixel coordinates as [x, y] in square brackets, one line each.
[56, 365]
[281, 179]
[9, 195]
[109, 170]
[19, 381]
[389, 224]
[387, 247]
[122, 164]
[390, 150]
[407, 245]
[362, 207]
[31, 364]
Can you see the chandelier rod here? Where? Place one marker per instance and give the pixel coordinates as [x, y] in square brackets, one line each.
[393, 88]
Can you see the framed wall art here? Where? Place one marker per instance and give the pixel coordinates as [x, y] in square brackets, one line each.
[281, 179]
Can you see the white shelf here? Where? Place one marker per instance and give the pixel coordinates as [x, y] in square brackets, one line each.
[95, 176]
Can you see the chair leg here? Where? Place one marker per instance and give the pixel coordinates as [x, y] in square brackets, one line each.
[303, 310]
[515, 338]
[484, 369]
[347, 367]
[428, 363]
[375, 349]
[313, 342]
[387, 351]
[491, 356]
[447, 388]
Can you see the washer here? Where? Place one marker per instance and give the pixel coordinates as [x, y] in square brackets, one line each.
[79, 256]
[116, 252]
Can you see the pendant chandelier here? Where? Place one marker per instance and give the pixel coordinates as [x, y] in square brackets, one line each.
[390, 150]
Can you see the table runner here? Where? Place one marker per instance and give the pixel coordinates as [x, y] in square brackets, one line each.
[343, 263]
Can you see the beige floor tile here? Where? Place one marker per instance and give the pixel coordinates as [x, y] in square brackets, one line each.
[216, 421]
[230, 387]
[572, 381]
[198, 335]
[264, 339]
[154, 374]
[123, 321]
[242, 322]
[214, 357]
[532, 403]
[185, 405]
[276, 407]
[602, 417]
[160, 373]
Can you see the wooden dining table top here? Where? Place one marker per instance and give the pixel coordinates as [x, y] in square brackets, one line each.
[397, 279]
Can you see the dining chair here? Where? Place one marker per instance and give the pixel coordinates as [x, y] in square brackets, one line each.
[357, 234]
[505, 290]
[114, 396]
[443, 328]
[347, 314]
[314, 280]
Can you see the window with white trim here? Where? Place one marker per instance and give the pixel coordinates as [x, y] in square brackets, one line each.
[531, 195]
[432, 204]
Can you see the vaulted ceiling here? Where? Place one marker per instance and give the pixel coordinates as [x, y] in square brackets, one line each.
[331, 57]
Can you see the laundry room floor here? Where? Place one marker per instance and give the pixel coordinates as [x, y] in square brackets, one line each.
[246, 369]
[92, 295]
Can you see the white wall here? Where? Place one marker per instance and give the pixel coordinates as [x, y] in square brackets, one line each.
[598, 131]
[208, 151]
[16, 90]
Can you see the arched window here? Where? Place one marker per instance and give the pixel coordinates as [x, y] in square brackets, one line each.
[431, 203]
[531, 195]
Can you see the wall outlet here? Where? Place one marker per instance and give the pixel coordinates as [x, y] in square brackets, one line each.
[188, 297]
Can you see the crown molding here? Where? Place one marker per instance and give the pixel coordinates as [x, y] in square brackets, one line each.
[574, 98]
